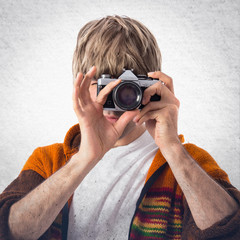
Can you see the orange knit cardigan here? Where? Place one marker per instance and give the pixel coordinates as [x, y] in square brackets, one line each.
[47, 160]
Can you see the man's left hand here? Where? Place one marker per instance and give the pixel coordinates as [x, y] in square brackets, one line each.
[160, 117]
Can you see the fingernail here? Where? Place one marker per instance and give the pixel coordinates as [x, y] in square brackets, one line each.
[151, 73]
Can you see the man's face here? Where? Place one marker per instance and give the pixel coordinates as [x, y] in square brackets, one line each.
[111, 116]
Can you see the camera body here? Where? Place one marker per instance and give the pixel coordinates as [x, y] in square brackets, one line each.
[128, 94]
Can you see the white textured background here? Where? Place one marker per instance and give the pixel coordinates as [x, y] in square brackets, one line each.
[200, 44]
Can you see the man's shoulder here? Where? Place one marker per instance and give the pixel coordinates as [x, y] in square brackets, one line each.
[199, 154]
[46, 160]
[206, 161]
[50, 151]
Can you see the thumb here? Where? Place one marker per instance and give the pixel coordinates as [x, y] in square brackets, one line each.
[124, 120]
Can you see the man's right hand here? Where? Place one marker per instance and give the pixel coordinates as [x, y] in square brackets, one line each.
[98, 135]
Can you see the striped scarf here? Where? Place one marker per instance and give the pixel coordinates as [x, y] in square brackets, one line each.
[159, 214]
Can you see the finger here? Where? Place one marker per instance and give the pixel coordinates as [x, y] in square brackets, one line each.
[78, 80]
[152, 106]
[155, 105]
[165, 114]
[156, 88]
[75, 95]
[84, 93]
[163, 77]
[103, 94]
[149, 115]
[123, 121]
[87, 78]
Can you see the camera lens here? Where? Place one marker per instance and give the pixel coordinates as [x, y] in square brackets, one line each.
[127, 95]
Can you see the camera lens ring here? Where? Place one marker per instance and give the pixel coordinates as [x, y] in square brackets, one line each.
[127, 95]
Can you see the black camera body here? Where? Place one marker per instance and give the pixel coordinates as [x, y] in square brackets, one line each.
[128, 94]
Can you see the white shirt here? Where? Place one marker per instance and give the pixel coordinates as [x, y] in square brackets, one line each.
[104, 203]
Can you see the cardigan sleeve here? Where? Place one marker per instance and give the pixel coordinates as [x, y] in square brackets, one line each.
[41, 164]
[227, 228]
[23, 184]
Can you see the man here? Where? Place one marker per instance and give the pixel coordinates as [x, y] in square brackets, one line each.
[108, 155]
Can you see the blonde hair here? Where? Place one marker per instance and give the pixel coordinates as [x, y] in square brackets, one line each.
[113, 43]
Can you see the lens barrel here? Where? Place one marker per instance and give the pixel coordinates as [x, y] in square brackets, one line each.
[127, 95]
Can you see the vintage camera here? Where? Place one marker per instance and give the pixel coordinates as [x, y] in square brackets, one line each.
[128, 94]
